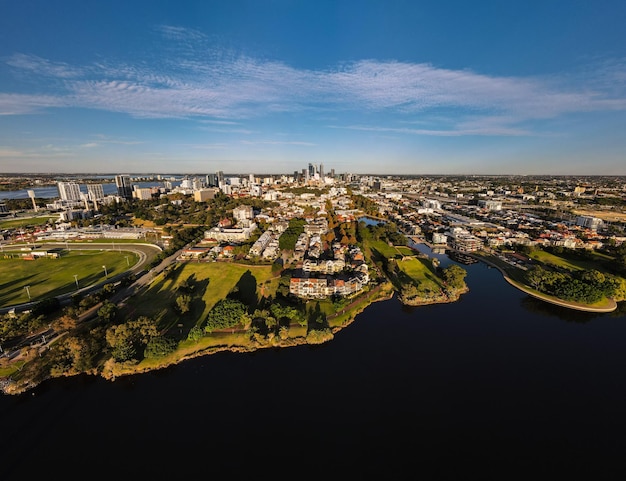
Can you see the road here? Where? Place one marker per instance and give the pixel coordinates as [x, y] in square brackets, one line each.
[42, 338]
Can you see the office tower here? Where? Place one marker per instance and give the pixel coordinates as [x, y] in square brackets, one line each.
[124, 187]
[321, 171]
[311, 171]
[69, 190]
[211, 180]
[332, 173]
[220, 177]
[95, 192]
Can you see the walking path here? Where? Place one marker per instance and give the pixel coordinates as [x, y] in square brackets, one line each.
[551, 299]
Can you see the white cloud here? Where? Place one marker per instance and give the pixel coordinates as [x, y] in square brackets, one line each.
[228, 88]
[18, 104]
[276, 142]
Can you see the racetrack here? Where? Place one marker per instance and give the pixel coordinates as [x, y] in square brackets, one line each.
[144, 253]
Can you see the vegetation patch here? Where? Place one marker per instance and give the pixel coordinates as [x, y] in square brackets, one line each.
[26, 222]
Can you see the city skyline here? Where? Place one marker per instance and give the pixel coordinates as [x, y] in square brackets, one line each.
[405, 88]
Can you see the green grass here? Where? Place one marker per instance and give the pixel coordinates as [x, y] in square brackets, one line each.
[390, 252]
[421, 271]
[211, 282]
[558, 261]
[406, 251]
[47, 277]
[32, 221]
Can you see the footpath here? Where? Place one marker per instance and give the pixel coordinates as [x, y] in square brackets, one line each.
[551, 299]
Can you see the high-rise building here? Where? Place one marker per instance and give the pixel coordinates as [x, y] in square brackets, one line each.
[322, 171]
[69, 190]
[95, 192]
[211, 180]
[124, 186]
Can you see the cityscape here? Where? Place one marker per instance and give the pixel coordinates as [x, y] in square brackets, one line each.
[333, 238]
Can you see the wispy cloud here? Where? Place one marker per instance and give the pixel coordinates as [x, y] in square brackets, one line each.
[48, 151]
[437, 133]
[223, 88]
[180, 34]
[41, 66]
[18, 104]
[276, 142]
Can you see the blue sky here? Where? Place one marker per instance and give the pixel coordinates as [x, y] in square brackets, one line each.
[378, 87]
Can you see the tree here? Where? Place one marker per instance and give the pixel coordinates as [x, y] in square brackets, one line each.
[195, 333]
[108, 312]
[183, 303]
[128, 340]
[536, 276]
[226, 313]
[159, 346]
[454, 276]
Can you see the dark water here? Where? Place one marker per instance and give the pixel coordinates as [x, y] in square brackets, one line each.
[496, 385]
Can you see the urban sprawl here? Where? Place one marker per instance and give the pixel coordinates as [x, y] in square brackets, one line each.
[461, 213]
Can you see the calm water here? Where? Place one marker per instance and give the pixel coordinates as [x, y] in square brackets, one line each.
[52, 192]
[496, 384]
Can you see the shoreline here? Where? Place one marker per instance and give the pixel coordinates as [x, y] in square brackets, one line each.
[545, 297]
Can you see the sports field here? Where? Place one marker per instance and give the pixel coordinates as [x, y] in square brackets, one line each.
[34, 280]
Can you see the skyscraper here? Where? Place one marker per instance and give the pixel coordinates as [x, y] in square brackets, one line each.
[211, 180]
[95, 192]
[124, 187]
[69, 190]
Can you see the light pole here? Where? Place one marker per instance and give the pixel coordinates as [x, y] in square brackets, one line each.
[76, 280]
[106, 275]
[27, 292]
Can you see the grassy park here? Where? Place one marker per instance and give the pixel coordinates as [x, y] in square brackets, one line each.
[391, 252]
[208, 283]
[47, 277]
[13, 223]
[569, 263]
[421, 271]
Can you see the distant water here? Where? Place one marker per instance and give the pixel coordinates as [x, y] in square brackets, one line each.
[52, 192]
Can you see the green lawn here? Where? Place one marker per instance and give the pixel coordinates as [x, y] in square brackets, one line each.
[211, 282]
[569, 263]
[390, 252]
[406, 251]
[47, 277]
[14, 223]
[421, 271]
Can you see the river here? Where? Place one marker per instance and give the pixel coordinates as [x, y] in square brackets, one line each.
[52, 191]
[495, 385]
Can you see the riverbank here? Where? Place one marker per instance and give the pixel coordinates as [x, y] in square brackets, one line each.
[610, 306]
